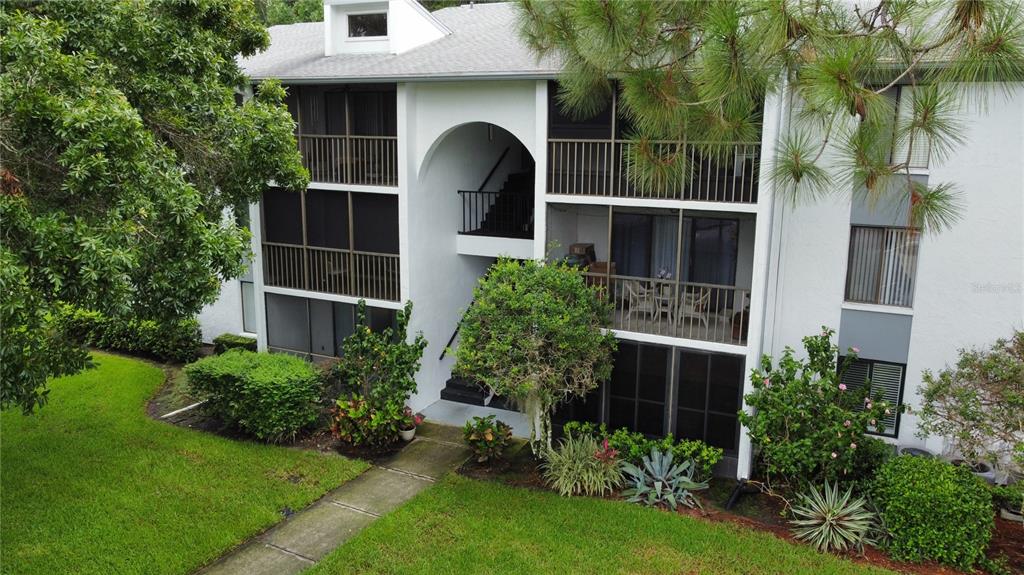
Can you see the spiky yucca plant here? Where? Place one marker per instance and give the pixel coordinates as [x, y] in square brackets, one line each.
[659, 483]
[832, 521]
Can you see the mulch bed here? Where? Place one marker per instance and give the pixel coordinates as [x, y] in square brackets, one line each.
[755, 511]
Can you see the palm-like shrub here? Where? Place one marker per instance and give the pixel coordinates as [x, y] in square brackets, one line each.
[582, 466]
[657, 482]
[832, 521]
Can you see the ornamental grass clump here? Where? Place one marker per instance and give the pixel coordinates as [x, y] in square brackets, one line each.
[832, 521]
[582, 466]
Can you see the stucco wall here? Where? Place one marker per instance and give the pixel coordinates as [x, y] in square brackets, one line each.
[225, 314]
[969, 278]
[448, 149]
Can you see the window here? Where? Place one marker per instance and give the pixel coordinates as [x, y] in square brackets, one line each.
[886, 379]
[882, 265]
[367, 25]
[248, 307]
[317, 327]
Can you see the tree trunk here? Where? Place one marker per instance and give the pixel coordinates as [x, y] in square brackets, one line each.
[540, 424]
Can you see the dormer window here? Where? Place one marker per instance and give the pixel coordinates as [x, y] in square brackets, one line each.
[368, 25]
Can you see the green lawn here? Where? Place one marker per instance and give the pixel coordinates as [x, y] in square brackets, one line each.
[91, 485]
[468, 526]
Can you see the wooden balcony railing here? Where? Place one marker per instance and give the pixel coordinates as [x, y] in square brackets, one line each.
[706, 312]
[343, 272]
[365, 160]
[602, 168]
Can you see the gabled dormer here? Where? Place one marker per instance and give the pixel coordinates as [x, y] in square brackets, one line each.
[377, 26]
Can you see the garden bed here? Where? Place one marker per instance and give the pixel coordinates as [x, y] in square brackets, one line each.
[753, 511]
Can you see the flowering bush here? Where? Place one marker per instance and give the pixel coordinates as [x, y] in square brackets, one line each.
[979, 404]
[807, 424]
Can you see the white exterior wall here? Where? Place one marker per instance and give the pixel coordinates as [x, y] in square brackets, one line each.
[442, 129]
[223, 315]
[969, 278]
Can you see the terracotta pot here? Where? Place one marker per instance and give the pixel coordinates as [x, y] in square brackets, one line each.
[407, 434]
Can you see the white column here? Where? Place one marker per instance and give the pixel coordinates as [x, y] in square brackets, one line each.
[256, 228]
[405, 100]
[771, 131]
[540, 157]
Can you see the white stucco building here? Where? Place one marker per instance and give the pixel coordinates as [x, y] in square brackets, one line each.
[435, 145]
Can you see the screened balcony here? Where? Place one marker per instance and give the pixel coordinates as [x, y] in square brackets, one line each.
[342, 243]
[669, 273]
[347, 134]
[592, 158]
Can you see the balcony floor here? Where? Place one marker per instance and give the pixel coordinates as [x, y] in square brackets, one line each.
[718, 329]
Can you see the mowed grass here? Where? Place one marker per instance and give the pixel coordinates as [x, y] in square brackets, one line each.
[467, 526]
[90, 484]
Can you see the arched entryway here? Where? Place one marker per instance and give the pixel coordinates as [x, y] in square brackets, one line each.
[475, 181]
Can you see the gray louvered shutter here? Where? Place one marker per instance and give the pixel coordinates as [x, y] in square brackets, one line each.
[887, 381]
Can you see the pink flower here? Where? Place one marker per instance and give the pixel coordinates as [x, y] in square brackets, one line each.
[872, 422]
[888, 412]
[842, 387]
[767, 382]
[834, 455]
[853, 446]
[868, 405]
[846, 423]
[855, 349]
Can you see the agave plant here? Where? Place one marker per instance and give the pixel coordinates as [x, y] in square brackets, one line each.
[832, 521]
[660, 483]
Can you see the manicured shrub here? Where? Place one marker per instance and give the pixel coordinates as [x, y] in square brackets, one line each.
[661, 480]
[487, 437]
[934, 511]
[832, 521]
[579, 465]
[269, 396]
[365, 423]
[175, 341]
[226, 341]
[807, 423]
[633, 446]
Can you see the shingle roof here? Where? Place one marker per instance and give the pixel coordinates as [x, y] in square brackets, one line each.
[483, 43]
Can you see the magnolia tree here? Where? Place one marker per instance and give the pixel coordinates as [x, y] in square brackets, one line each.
[979, 404]
[534, 334]
[700, 71]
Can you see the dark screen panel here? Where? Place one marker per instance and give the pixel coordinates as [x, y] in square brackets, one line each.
[282, 217]
[726, 383]
[375, 223]
[327, 219]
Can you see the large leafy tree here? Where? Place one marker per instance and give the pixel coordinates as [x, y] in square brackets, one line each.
[534, 334]
[701, 70]
[123, 147]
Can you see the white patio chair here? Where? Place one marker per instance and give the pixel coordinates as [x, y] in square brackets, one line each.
[695, 305]
[639, 300]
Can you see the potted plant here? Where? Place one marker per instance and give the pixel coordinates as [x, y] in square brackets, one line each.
[410, 421]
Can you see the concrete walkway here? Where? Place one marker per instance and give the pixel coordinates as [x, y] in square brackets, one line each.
[298, 542]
